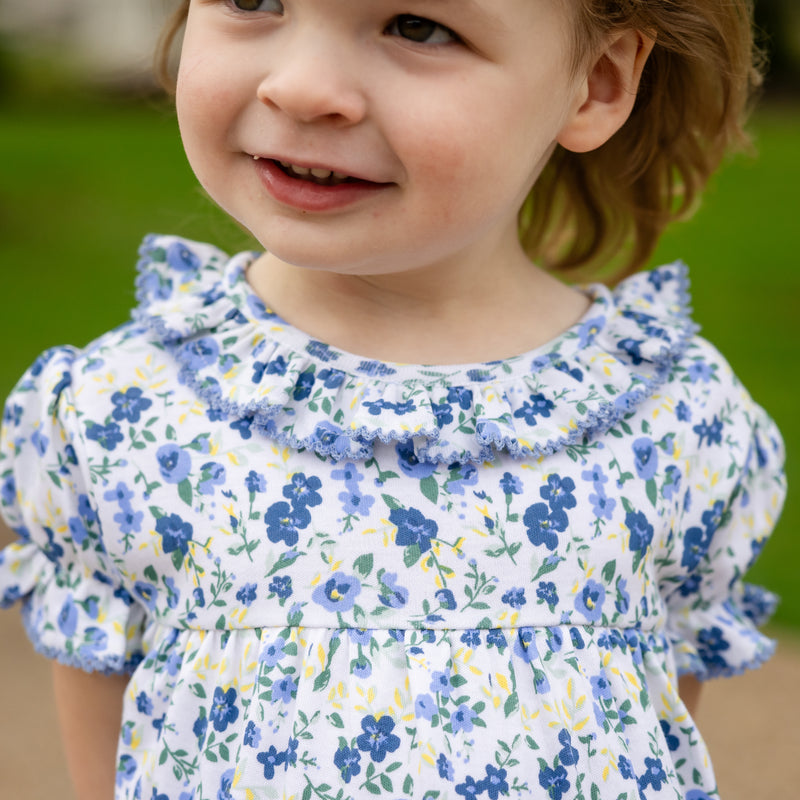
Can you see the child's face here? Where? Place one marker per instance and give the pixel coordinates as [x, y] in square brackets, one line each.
[445, 119]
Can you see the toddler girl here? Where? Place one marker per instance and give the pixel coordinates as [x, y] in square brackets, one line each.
[327, 566]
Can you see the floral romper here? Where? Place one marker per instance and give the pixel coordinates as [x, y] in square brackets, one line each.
[332, 577]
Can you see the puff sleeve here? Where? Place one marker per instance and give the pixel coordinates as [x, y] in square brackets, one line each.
[735, 492]
[74, 606]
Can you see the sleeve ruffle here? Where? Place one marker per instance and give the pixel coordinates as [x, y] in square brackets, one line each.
[713, 615]
[72, 616]
[74, 606]
[723, 639]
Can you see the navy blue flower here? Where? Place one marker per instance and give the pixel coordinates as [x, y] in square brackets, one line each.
[445, 767]
[546, 593]
[378, 739]
[332, 378]
[625, 768]
[712, 518]
[525, 645]
[641, 531]
[711, 644]
[496, 638]
[247, 594]
[338, 593]
[510, 484]
[174, 463]
[129, 405]
[443, 412]
[413, 527]
[144, 705]
[446, 599]
[107, 436]
[633, 348]
[470, 787]
[673, 742]
[589, 601]
[712, 433]
[304, 385]
[568, 755]
[695, 546]
[461, 396]
[200, 727]
[348, 761]
[175, 533]
[302, 491]
[514, 597]
[542, 525]
[554, 781]
[645, 458]
[558, 492]
[654, 774]
[410, 464]
[683, 412]
[535, 405]
[224, 710]
[270, 759]
[283, 522]
[281, 585]
[495, 782]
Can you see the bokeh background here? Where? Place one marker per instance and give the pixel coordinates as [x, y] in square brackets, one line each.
[90, 161]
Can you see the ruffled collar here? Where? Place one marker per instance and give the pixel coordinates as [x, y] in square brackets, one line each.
[252, 367]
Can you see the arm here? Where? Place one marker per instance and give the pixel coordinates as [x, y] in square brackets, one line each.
[689, 689]
[90, 714]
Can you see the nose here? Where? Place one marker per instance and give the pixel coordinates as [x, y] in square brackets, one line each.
[309, 80]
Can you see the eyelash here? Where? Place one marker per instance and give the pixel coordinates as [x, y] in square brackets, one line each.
[434, 34]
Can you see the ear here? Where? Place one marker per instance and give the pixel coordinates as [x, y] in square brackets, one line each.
[608, 92]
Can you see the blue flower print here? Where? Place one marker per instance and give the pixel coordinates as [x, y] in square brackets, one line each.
[440, 683]
[304, 385]
[392, 594]
[546, 593]
[515, 597]
[338, 593]
[425, 707]
[147, 593]
[255, 482]
[129, 405]
[409, 463]
[589, 330]
[654, 774]
[700, 371]
[144, 705]
[182, 258]
[641, 531]
[446, 599]
[332, 378]
[470, 787]
[672, 482]
[175, 534]
[711, 432]
[413, 527]
[462, 719]
[510, 484]
[283, 522]
[107, 436]
[174, 463]
[200, 353]
[270, 759]
[554, 781]
[568, 756]
[247, 594]
[283, 690]
[273, 652]
[542, 525]
[243, 427]
[302, 492]
[645, 458]
[602, 506]
[625, 768]
[226, 784]
[536, 405]
[589, 601]
[348, 761]
[378, 739]
[495, 783]
[525, 645]
[673, 742]
[212, 475]
[461, 396]
[445, 767]
[695, 545]
[126, 769]
[40, 442]
[558, 492]
[633, 348]
[252, 735]
[711, 644]
[443, 412]
[281, 586]
[356, 504]
[224, 710]
[67, 619]
[683, 412]
[601, 688]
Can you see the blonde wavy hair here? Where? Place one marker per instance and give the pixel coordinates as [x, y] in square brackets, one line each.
[601, 213]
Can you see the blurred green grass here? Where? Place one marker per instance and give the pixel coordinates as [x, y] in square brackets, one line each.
[81, 183]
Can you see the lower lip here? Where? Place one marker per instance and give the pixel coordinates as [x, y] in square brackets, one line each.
[310, 196]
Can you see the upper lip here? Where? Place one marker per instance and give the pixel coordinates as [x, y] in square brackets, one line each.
[314, 164]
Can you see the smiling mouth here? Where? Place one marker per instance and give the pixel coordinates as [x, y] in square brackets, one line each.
[322, 177]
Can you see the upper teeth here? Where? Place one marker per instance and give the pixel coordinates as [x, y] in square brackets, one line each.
[317, 173]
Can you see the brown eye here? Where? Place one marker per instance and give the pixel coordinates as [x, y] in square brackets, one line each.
[258, 5]
[420, 30]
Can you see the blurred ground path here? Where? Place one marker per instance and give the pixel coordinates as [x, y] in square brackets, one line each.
[750, 723]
